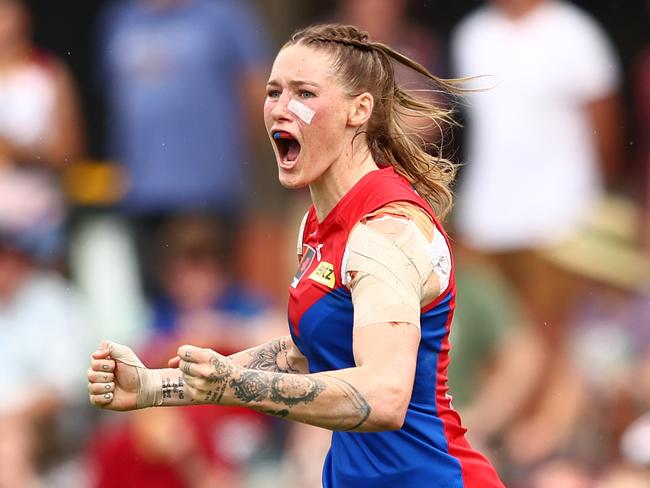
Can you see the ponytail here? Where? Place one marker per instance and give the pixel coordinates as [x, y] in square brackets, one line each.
[367, 66]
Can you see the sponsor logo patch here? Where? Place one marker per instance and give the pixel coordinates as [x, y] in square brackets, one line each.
[324, 274]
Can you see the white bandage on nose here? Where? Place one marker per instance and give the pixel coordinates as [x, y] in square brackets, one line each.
[305, 113]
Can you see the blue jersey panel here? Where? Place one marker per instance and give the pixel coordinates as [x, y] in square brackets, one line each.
[326, 332]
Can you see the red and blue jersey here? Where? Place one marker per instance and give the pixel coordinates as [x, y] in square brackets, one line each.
[430, 449]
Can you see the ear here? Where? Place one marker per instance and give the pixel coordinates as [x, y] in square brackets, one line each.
[360, 109]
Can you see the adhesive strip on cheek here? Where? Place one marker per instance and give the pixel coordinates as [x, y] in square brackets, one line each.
[301, 110]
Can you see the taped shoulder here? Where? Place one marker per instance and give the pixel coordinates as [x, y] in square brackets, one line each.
[437, 247]
[408, 211]
[384, 281]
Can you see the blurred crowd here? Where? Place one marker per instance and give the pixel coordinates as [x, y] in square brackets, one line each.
[175, 232]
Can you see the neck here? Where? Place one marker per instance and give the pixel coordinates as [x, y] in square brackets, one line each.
[340, 177]
[518, 9]
[13, 54]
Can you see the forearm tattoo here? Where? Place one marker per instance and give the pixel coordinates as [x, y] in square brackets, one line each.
[287, 391]
[269, 357]
[360, 406]
[173, 389]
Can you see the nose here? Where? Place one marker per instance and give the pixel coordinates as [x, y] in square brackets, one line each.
[280, 109]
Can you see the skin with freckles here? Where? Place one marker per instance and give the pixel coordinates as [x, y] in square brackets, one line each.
[329, 163]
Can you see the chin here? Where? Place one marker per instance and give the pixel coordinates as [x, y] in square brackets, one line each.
[291, 181]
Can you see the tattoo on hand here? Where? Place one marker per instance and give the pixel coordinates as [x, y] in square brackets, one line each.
[222, 373]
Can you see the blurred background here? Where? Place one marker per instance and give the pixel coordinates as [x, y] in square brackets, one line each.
[139, 203]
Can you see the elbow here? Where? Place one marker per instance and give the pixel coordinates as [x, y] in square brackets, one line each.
[391, 414]
[394, 421]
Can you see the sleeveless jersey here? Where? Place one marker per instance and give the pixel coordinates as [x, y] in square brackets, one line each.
[430, 449]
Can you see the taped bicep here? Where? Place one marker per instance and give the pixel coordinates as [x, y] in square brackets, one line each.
[388, 269]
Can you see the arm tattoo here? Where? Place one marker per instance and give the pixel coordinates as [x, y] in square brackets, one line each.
[292, 390]
[276, 413]
[251, 386]
[266, 357]
[357, 402]
[286, 391]
[289, 390]
[176, 389]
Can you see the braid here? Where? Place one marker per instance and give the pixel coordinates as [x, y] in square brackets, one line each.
[346, 35]
[367, 66]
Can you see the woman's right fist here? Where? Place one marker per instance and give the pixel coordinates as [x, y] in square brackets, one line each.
[115, 377]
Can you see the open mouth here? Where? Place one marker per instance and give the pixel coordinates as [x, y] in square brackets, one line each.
[288, 146]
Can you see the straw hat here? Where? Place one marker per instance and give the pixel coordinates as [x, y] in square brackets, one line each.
[607, 248]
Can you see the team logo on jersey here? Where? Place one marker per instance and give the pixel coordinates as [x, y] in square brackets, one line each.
[305, 263]
[324, 274]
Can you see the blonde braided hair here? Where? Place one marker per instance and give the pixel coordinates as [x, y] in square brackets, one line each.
[367, 66]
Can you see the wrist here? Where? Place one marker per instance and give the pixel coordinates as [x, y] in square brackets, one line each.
[150, 393]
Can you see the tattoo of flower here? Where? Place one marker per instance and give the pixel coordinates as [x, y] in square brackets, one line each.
[265, 358]
[251, 386]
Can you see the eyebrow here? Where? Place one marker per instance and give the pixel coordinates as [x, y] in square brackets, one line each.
[294, 83]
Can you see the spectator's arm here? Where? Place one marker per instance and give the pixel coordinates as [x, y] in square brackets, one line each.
[66, 141]
[513, 378]
[556, 415]
[606, 119]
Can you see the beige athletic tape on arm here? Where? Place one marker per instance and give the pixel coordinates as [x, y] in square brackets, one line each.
[437, 246]
[391, 265]
[408, 211]
[150, 392]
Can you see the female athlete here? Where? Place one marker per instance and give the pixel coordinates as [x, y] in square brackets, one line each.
[371, 304]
